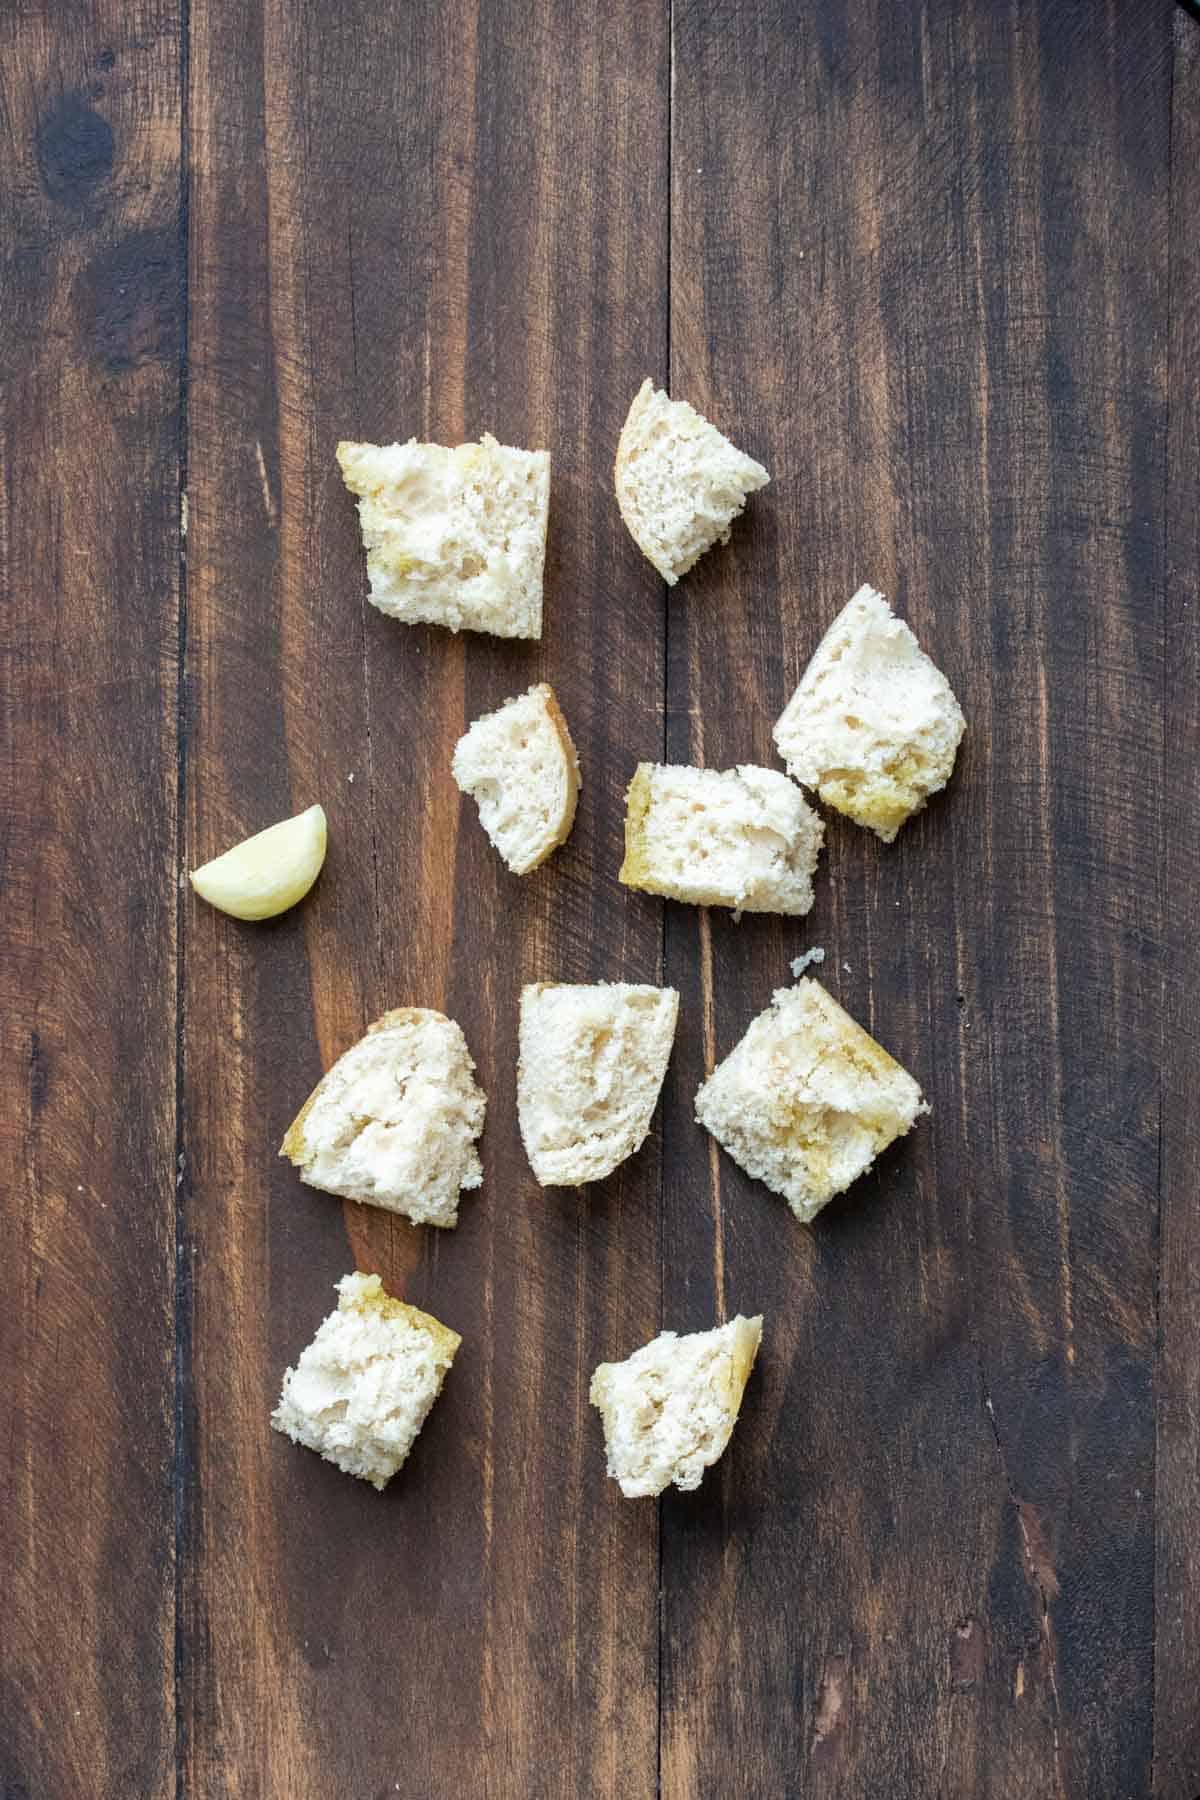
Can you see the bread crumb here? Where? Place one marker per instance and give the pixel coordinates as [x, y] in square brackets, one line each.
[454, 536]
[592, 1061]
[393, 1123]
[800, 963]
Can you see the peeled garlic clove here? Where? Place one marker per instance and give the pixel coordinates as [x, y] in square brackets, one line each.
[266, 873]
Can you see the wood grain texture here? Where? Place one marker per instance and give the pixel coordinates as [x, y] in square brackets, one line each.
[937, 265]
[1177, 1511]
[91, 286]
[908, 246]
[411, 220]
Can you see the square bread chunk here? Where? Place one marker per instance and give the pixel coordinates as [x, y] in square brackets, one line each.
[743, 837]
[807, 1100]
[669, 1409]
[519, 766]
[394, 1122]
[593, 1057]
[873, 726]
[361, 1391]
[454, 537]
[680, 483]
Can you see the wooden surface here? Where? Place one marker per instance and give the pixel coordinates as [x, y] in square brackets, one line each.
[937, 265]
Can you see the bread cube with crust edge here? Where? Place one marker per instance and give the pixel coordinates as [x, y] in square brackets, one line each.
[361, 1391]
[744, 838]
[807, 1100]
[453, 536]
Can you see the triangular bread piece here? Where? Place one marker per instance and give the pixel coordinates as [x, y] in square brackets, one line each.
[874, 725]
[680, 483]
[670, 1408]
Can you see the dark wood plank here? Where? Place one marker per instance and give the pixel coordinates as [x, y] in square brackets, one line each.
[919, 267]
[424, 220]
[91, 303]
[1177, 1493]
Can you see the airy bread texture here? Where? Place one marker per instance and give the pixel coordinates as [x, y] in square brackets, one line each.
[807, 1100]
[670, 1408]
[394, 1122]
[519, 766]
[453, 537]
[592, 1062]
[362, 1389]
[873, 726]
[743, 837]
[680, 483]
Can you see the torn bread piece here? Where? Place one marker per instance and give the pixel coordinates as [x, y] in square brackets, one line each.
[670, 1408]
[743, 837]
[680, 483]
[874, 725]
[807, 1100]
[394, 1122]
[519, 766]
[361, 1391]
[454, 537]
[593, 1057]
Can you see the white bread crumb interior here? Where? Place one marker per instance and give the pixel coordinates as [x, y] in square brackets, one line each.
[669, 1409]
[680, 483]
[807, 1100]
[743, 837]
[394, 1121]
[519, 766]
[592, 1062]
[454, 537]
[361, 1391]
[874, 725]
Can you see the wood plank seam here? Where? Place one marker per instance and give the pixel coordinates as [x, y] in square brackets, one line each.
[183, 1462]
[1164, 896]
[1176, 1722]
[660, 1512]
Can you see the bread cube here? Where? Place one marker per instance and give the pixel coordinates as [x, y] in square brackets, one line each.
[454, 537]
[362, 1390]
[807, 1100]
[744, 838]
[394, 1122]
[680, 483]
[873, 726]
[519, 766]
[670, 1408]
[592, 1062]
